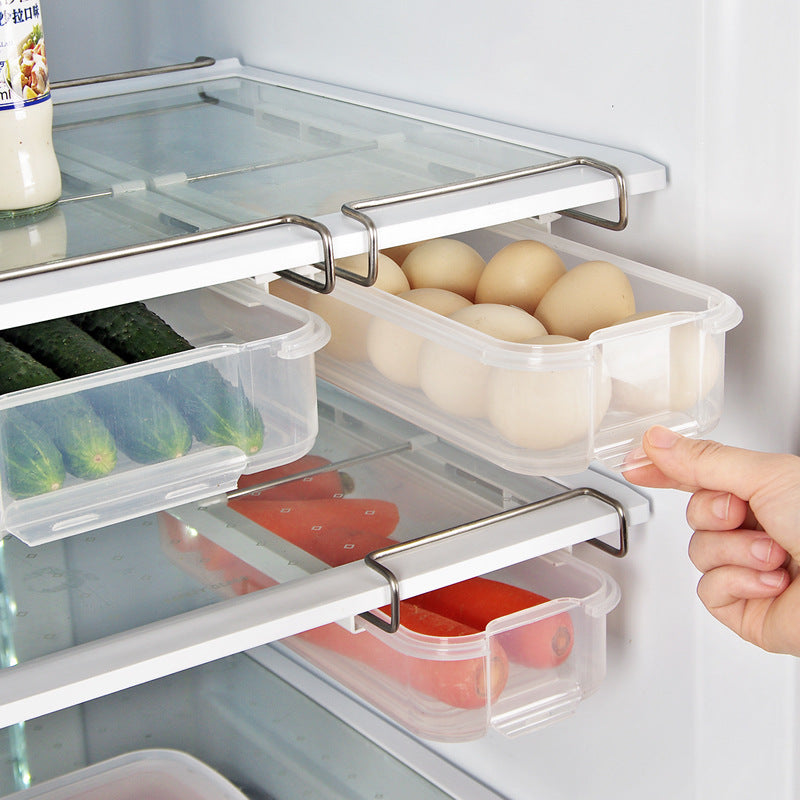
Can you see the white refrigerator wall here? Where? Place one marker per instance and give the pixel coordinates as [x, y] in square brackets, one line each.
[711, 90]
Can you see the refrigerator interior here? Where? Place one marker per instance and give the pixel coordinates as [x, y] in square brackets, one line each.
[242, 719]
[686, 707]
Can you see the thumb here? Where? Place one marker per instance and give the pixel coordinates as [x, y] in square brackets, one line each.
[769, 482]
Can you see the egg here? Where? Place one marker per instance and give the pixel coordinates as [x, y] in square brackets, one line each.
[519, 274]
[348, 324]
[290, 291]
[445, 264]
[399, 252]
[455, 381]
[393, 349]
[669, 368]
[390, 277]
[591, 295]
[548, 409]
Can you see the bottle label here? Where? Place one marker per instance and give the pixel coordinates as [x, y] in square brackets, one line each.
[24, 76]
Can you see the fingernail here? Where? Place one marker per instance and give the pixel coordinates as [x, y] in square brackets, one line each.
[771, 578]
[721, 505]
[762, 549]
[638, 454]
[659, 436]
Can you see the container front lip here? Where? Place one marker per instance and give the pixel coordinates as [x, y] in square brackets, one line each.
[314, 334]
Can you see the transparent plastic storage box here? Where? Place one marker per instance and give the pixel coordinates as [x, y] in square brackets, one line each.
[526, 670]
[247, 392]
[151, 774]
[562, 405]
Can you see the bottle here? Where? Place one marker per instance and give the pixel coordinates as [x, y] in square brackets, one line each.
[30, 180]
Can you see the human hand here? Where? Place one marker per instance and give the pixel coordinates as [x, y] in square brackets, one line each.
[745, 514]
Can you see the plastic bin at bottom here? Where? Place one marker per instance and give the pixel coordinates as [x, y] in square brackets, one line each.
[526, 670]
[151, 774]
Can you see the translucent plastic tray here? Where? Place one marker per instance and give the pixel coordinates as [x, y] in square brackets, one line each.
[504, 679]
[526, 670]
[253, 359]
[151, 774]
[563, 405]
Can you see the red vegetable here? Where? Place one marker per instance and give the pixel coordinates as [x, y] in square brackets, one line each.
[477, 601]
[338, 538]
[460, 683]
[312, 487]
[306, 523]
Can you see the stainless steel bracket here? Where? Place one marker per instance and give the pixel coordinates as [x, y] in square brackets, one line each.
[199, 62]
[373, 559]
[356, 209]
[325, 285]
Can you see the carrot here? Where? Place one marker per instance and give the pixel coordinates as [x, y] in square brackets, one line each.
[312, 487]
[461, 683]
[306, 522]
[544, 643]
[476, 601]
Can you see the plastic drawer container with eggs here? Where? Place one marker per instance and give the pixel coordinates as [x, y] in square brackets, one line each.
[565, 355]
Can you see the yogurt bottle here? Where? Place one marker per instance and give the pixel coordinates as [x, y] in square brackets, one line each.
[30, 179]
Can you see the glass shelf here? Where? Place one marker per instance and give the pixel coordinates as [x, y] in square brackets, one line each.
[148, 162]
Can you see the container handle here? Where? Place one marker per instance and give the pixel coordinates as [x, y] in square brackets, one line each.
[372, 560]
[355, 209]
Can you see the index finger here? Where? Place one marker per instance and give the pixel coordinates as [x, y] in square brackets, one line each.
[769, 482]
[691, 464]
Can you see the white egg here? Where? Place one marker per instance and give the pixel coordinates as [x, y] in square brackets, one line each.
[393, 349]
[349, 324]
[455, 381]
[444, 264]
[519, 275]
[669, 368]
[546, 409]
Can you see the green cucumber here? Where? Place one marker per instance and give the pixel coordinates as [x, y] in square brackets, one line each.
[33, 464]
[132, 331]
[86, 444]
[218, 412]
[146, 425]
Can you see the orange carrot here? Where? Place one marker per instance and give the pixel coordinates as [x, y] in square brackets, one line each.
[460, 683]
[338, 539]
[306, 522]
[477, 601]
[312, 487]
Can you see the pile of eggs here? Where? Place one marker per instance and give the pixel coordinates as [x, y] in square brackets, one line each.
[524, 294]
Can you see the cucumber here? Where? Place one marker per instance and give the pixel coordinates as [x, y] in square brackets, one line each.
[146, 426]
[132, 331]
[218, 412]
[86, 444]
[33, 464]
